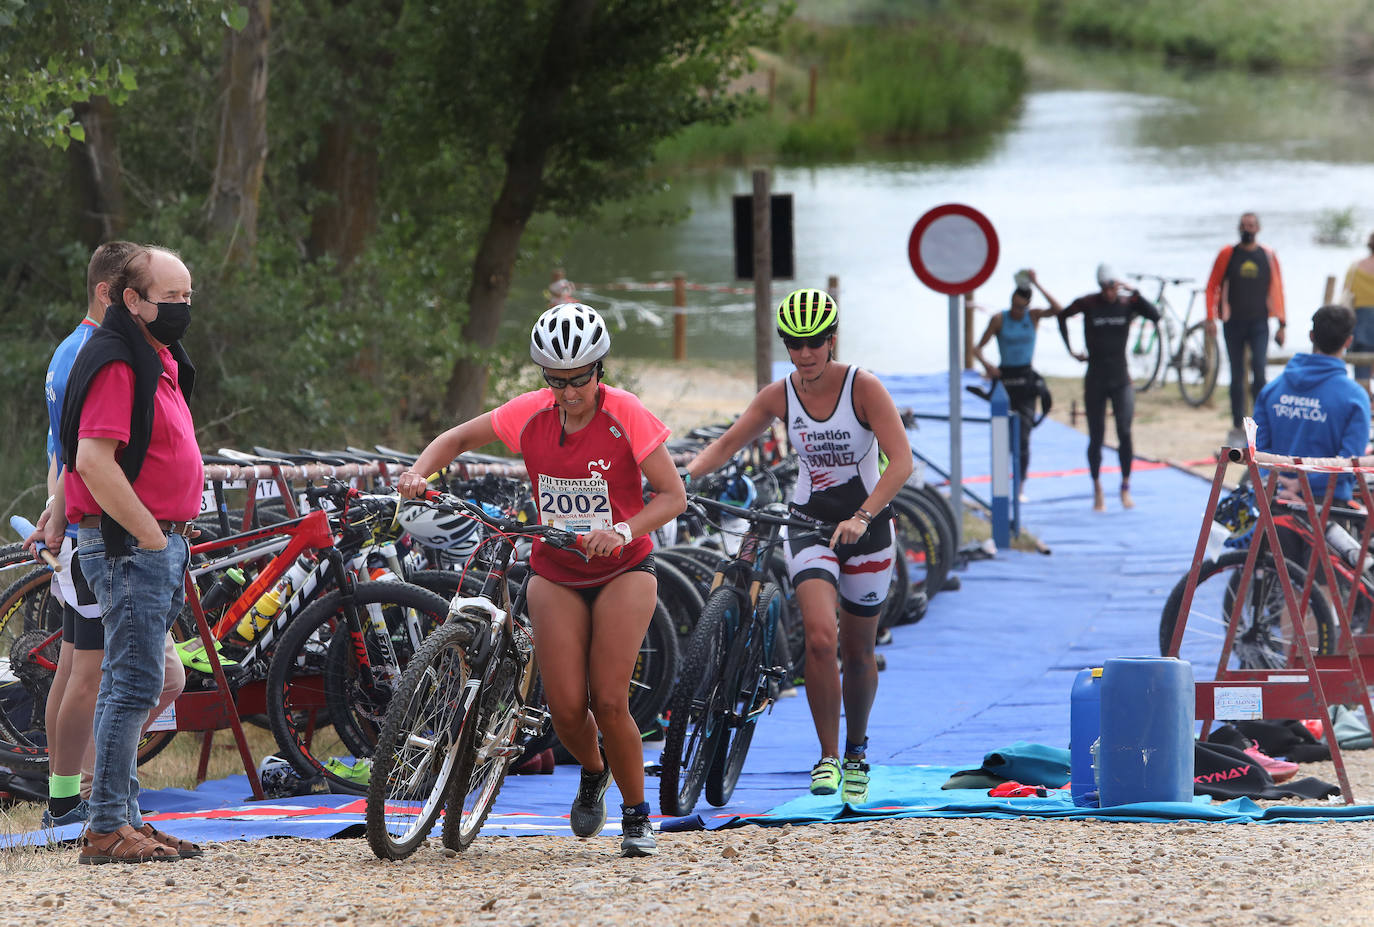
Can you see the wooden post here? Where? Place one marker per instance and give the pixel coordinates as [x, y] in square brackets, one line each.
[763, 279]
[832, 286]
[1330, 295]
[679, 317]
[811, 94]
[968, 331]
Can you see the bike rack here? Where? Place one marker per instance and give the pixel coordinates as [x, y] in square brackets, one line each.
[1298, 691]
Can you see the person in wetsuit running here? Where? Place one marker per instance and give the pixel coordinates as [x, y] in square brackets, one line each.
[1106, 329]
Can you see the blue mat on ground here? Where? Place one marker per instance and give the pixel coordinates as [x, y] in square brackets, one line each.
[990, 664]
[914, 792]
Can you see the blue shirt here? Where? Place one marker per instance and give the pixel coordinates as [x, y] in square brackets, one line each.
[55, 388]
[1314, 409]
[1016, 339]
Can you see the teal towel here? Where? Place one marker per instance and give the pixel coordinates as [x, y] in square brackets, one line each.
[1030, 764]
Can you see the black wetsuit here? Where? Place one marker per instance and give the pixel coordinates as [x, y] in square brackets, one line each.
[1247, 291]
[1106, 329]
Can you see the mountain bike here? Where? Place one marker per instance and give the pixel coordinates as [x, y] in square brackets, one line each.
[465, 707]
[735, 664]
[1189, 348]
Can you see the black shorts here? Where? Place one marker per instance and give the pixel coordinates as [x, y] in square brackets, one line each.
[81, 632]
[589, 593]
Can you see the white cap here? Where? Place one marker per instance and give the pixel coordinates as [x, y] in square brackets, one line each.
[1022, 278]
[1105, 275]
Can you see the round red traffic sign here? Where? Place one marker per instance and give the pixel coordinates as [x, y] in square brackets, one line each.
[953, 248]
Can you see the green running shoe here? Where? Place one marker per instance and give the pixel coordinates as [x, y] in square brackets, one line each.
[360, 773]
[855, 788]
[825, 776]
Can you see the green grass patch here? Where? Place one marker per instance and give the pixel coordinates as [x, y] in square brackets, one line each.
[875, 87]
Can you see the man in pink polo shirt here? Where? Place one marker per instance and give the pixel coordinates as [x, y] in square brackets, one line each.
[133, 485]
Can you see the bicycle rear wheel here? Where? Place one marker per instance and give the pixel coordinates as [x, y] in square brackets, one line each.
[1144, 352]
[1199, 360]
[314, 677]
[751, 686]
[1265, 629]
[417, 749]
[696, 709]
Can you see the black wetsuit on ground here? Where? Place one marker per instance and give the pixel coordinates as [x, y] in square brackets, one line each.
[1106, 329]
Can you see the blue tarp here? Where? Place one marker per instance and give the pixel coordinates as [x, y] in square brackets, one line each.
[990, 664]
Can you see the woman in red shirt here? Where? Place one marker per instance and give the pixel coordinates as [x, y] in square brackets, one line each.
[585, 446]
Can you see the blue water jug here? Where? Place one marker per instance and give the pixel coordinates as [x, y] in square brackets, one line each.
[1085, 713]
[1146, 750]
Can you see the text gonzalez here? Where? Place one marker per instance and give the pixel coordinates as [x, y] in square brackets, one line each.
[820, 452]
[1303, 407]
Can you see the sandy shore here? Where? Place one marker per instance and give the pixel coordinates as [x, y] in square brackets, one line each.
[927, 872]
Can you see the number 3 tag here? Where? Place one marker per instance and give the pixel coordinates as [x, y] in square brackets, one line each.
[579, 506]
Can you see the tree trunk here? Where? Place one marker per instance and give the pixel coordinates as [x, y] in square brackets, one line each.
[495, 260]
[346, 169]
[233, 205]
[97, 176]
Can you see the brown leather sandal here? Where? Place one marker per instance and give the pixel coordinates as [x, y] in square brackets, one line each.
[124, 845]
[184, 848]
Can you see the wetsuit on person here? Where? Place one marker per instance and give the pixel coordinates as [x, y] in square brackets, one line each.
[1016, 347]
[1106, 329]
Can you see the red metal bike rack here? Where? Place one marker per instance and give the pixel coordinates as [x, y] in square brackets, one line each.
[1309, 684]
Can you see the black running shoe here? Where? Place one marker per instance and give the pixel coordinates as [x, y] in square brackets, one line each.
[637, 835]
[588, 814]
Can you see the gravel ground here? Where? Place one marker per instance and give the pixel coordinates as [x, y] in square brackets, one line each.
[933, 871]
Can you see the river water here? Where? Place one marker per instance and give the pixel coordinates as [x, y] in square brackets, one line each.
[1145, 169]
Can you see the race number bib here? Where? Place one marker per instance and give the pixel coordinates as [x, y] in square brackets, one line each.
[574, 505]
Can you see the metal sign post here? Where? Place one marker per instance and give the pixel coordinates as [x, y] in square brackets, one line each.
[953, 250]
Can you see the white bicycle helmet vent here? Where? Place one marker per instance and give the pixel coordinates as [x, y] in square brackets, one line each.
[569, 336]
[439, 529]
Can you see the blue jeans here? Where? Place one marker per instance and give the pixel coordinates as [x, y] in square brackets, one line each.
[139, 596]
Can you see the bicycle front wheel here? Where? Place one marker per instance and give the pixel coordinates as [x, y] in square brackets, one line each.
[1265, 628]
[486, 748]
[418, 746]
[1199, 360]
[315, 679]
[751, 687]
[697, 707]
[1144, 352]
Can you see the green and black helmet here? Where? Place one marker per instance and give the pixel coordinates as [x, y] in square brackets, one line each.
[807, 313]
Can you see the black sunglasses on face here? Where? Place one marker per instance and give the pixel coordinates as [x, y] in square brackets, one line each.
[582, 379]
[796, 344]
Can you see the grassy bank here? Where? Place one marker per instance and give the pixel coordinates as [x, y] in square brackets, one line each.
[1260, 35]
[875, 87]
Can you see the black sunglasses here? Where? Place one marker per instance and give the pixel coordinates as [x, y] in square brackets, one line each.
[796, 344]
[582, 379]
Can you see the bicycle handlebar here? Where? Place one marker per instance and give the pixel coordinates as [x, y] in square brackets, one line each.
[557, 537]
[763, 516]
[1172, 281]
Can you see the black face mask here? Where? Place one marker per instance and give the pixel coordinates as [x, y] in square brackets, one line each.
[171, 323]
[1247, 238]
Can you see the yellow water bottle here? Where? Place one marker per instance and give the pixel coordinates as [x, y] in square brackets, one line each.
[261, 614]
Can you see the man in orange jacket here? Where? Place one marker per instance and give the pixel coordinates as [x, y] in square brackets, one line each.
[1244, 290]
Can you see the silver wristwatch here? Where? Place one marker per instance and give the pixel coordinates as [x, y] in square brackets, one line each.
[623, 529]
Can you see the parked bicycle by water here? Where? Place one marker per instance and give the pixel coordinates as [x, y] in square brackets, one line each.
[1186, 345]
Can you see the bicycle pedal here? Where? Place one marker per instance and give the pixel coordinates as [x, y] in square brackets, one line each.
[653, 769]
[532, 720]
[509, 752]
[776, 672]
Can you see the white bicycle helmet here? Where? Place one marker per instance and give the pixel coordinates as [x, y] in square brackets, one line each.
[569, 336]
[441, 530]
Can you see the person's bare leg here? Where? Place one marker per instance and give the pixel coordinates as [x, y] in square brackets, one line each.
[622, 614]
[819, 601]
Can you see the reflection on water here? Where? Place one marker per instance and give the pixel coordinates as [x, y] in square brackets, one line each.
[1151, 178]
